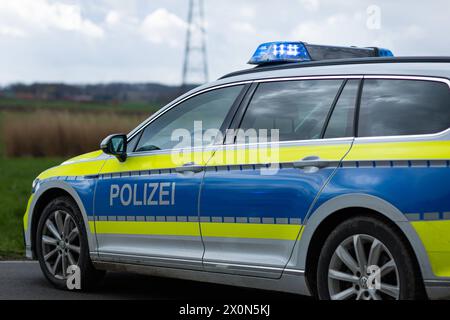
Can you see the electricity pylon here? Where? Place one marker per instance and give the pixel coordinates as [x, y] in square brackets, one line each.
[195, 66]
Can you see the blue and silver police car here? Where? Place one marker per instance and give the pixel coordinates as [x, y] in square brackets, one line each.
[346, 197]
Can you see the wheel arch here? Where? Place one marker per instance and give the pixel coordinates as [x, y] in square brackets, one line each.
[334, 211]
[46, 193]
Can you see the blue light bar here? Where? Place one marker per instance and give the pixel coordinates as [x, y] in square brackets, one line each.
[285, 52]
[273, 52]
[382, 52]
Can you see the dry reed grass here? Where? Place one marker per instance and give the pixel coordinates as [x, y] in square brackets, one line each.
[45, 133]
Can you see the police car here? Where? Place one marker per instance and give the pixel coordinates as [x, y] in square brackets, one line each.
[346, 197]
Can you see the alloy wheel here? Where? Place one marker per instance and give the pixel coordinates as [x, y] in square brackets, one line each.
[362, 268]
[60, 243]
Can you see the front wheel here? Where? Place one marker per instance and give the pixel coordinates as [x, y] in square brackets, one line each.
[61, 245]
[365, 259]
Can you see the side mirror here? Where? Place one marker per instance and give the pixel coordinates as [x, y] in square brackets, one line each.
[116, 145]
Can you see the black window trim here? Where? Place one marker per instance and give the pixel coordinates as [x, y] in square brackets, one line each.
[357, 108]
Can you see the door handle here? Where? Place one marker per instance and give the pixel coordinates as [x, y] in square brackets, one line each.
[189, 167]
[311, 162]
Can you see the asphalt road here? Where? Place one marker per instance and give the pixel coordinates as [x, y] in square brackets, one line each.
[24, 280]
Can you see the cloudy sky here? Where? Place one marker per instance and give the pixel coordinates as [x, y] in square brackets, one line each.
[88, 41]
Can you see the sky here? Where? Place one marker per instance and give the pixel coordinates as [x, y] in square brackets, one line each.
[100, 41]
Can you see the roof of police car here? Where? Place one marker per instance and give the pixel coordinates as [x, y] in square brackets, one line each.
[406, 66]
[412, 66]
[364, 64]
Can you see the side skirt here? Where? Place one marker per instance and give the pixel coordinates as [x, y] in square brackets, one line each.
[292, 281]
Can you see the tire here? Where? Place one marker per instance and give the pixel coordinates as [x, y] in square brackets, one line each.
[75, 249]
[379, 244]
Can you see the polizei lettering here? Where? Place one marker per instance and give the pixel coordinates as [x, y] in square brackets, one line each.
[147, 194]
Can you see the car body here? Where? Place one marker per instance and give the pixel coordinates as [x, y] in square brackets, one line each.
[222, 221]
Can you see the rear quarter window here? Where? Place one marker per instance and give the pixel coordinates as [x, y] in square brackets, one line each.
[403, 107]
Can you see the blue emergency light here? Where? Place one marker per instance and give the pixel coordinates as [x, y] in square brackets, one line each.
[285, 52]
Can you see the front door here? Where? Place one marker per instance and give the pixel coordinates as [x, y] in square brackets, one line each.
[146, 208]
[256, 195]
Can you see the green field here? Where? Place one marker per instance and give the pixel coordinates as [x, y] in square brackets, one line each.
[16, 176]
[1, 137]
[131, 106]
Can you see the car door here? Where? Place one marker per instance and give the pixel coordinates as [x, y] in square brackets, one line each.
[146, 208]
[256, 193]
[401, 155]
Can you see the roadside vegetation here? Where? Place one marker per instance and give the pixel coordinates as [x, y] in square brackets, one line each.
[16, 176]
[34, 138]
[44, 133]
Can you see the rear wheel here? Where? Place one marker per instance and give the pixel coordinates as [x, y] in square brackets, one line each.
[365, 259]
[61, 242]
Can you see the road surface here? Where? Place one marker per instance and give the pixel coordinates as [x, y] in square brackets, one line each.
[24, 280]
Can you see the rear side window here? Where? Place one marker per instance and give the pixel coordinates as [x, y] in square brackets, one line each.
[298, 109]
[403, 107]
[341, 123]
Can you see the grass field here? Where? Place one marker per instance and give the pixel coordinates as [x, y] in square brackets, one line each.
[13, 103]
[16, 176]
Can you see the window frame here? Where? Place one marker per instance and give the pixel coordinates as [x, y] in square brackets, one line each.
[138, 131]
[397, 137]
[247, 100]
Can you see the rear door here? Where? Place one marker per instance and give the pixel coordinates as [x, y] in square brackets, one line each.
[146, 208]
[256, 193]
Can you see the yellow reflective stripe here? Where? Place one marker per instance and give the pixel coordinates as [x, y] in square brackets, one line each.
[27, 214]
[400, 151]
[155, 161]
[73, 169]
[87, 156]
[148, 228]
[169, 160]
[227, 157]
[369, 151]
[277, 154]
[226, 230]
[251, 230]
[435, 236]
[91, 226]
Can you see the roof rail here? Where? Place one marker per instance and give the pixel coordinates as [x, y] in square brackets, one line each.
[295, 65]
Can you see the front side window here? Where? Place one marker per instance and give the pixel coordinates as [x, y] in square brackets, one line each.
[298, 109]
[403, 107]
[194, 116]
